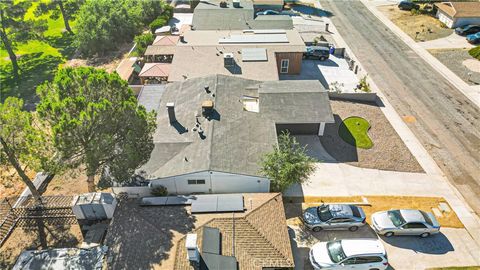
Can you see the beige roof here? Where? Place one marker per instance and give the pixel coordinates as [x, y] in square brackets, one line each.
[202, 49]
[166, 40]
[155, 70]
[125, 69]
[160, 50]
[460, 9]
[258, 244]
[194, 62]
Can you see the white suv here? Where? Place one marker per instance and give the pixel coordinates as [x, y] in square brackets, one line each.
[359, 254]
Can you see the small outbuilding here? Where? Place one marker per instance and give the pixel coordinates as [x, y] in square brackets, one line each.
[94, 206]
[455, 14]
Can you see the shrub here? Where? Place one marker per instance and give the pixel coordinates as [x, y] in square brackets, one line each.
[157, 23]
[159, 191]
[363, 85]
[142, 42]
[475, 52]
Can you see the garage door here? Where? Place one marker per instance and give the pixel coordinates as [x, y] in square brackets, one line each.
[299, 129]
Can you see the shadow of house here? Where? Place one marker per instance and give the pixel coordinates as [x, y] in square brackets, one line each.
[138, 240]
[311, 11]
[179, 127]
[435, 244]
[335, 145]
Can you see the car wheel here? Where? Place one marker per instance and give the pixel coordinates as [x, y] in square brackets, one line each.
[322, 58]
[353, 228]
[317, 229]
[425, 234]
[388, 234]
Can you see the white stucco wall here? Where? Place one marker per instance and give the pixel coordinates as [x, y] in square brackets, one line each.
[444, 18]
[215, 182]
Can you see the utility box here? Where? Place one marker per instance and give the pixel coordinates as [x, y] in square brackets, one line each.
[94, 206]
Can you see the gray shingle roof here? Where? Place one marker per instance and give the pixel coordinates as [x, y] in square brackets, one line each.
[234, 139]
[210, 16]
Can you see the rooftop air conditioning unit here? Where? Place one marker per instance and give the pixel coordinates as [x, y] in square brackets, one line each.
[236, 3]
[228, 60]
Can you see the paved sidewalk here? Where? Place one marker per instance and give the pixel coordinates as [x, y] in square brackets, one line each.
[338, 178]
[452, 41]
[471, 92]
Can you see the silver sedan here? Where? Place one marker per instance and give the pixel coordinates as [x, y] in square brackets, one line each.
[405, 222]
[334, 217]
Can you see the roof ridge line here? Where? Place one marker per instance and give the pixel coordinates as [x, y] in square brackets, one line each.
[210, 140]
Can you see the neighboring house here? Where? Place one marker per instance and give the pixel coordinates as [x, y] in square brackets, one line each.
[212, 16]
[251, 54]
[454, 14]
[213, 131]
[256, 240]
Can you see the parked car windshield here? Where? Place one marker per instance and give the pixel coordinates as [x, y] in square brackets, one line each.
[324, 213]
[396, 218]
[335, 251]
[427, 218]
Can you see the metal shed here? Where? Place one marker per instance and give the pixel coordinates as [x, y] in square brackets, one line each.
[94, 206]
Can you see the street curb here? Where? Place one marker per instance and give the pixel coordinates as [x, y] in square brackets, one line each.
[472, 94]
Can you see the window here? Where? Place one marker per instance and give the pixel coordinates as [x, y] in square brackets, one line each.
[196, 181]
[335, 251]
[396, 217]
[340, 220]
[414, 226]
[324, 213]
[371, 259]
[350, 261]
[284, 65]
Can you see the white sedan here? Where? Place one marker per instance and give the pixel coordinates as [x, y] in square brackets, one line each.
[359, 254]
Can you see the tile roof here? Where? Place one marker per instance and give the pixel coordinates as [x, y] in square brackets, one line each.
[258, 244]
[126, 68]
[166, 40]
[460, 9]
[155, 70]
[160, 50]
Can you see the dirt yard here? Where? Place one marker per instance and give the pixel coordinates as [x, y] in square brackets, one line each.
[388, 151]
[378, 203]
[429, 27]
[460, 63]
[28, 237]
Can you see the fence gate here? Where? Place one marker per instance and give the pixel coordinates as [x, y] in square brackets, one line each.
[26, 211]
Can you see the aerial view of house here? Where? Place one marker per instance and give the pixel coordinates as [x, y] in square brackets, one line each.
[239, 135]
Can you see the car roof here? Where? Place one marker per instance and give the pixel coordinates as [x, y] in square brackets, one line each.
[410, 215]
[340, 210]
[354, 247]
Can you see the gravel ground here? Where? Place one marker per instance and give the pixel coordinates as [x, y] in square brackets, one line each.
[453, 59]
[388, 151]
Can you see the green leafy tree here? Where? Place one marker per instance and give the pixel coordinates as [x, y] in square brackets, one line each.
[287, 164]
[143, 41]
[24, 142]
[65, 8]
[96, 122]
[104, 24]
[15, 29]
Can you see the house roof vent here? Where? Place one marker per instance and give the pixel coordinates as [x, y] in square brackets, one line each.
[228, 60]
[236, 3]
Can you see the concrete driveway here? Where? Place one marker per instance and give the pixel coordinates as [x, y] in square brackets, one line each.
[452, 247]
[452, 41]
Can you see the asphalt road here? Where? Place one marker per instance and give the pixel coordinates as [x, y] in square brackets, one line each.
[447, 123]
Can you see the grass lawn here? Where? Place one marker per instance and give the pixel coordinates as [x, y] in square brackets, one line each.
[38, 59]
[429, 27]
[382, 203]
[354, 131]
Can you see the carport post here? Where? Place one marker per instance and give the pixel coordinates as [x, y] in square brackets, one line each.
[321, 128]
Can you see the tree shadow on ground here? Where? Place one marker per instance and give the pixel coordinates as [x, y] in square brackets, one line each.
[335, 145]
[65, 44]
[141, 237]
[311, 11]
[36, 68]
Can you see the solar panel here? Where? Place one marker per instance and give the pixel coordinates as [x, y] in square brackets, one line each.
[217, 203]
[211, 240]
[218, 262]
[230, 203]
[254, 54]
